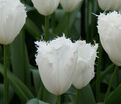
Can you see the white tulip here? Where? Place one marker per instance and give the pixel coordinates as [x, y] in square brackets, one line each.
[12, 19]
[70, 5]
[86, 56]
[109, 29]
[56, 63]
[46, 7]
[110, 4]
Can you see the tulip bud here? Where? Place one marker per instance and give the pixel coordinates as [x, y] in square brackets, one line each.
[70, 5]
[86, 55]
[110, 4]
[56, 63]
[45, 7]
[12, 19]
[109, 29]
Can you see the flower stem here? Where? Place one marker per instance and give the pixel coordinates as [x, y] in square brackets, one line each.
[68, 25]
[110, 83]
[46, 37]
[53, 22]
[5, 75]
[77, 97]
[58, 100]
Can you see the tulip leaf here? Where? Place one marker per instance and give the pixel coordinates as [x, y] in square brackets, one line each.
[35, 101]
[19, 58]
[62, 19]
[106, 71]
[44, 95]
[11, 93]
[20, 89]
[114, 97]
[48, 97]
[32, 29]
[86, 93]
[36, 79]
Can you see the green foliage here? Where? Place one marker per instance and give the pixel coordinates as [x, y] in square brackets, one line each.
[115, 96]
[19, 87]
[25, 85]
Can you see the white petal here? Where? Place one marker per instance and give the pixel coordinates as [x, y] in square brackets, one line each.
[84, 72]
[109, 29]
[45, 7]
[110, 4]
[70, 5]
[12, 19]
[56, 62]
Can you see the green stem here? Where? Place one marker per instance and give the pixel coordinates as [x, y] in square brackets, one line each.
[77, 97]
[5, 75]
[68, 25]
[98, 73]
[58, 100]
[53, 22]
[110, 83]
[46, 37]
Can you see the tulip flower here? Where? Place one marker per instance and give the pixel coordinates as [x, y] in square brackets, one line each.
[56, 63]
[84, 71]
[12, 19]
[69, 5]
[109, 29]
[45, 7]
[110, 4]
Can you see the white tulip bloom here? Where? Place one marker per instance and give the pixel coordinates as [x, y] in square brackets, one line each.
[69, 5]
[12, 19]
[110, 4]
[86, 56]
[109, 29]
[56, 63]
[46, 7]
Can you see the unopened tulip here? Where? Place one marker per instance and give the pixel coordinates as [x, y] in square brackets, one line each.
[12, 19]
[56, 63]
[70, 5]
[84, 71]
[46, 7]
[110, 4]
[109, 29]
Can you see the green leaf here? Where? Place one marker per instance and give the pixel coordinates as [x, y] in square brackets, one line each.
[11, 93]
[106, 71]
[62, 20]
[21, 90]
[1, 93]
[114, 97]
[32, 29]
[86, 95]
[44, 95]
[48, 97]
[36, 79]
[35, 101]
[19, 58]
